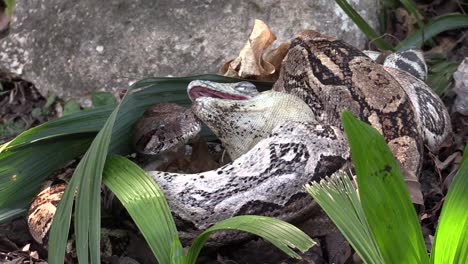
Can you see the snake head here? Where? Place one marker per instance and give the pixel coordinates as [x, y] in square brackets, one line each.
[164, 126]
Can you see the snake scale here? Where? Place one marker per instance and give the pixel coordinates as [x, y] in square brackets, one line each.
[279, 140]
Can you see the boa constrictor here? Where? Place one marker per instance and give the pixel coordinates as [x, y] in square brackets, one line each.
[280, 140]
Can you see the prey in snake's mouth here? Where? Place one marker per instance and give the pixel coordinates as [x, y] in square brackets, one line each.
[240, 116]
[227, 91]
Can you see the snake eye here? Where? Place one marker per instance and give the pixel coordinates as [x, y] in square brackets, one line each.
[245, 87]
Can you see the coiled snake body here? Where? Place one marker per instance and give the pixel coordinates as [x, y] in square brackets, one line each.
[280, 140]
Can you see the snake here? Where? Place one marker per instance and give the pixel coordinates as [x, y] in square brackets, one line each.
[281, 139]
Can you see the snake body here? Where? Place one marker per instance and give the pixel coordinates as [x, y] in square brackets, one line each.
[282, 139]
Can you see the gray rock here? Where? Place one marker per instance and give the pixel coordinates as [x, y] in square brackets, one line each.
[70, 48]
[461, 88]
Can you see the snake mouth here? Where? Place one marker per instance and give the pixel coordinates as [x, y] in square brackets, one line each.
[201, 91]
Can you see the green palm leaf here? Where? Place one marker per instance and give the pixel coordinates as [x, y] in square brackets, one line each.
[283, 235]
[24, 169]
[440, 75]
[384, 196]
[432, 29]
[86, 182]
[146, 204]
[89, 122]
[451, 239]
[339, 199]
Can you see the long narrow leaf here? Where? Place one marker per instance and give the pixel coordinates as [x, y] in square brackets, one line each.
[82, 122]
[363, 26]
[338, 198]
[86, 181]
[60, 228]
[177, 251]
[146, 204]
[440, 75]
[384, 195]
[451, 240]
[23, 170]
[283, 235]
[88, 200]
[433, 28]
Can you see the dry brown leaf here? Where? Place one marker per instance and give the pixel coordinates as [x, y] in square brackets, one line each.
[453, 171]
[445, 44]
[251, 63]
[410, 178]
[409, 21]
[26, 247]
[275, 57]
[226, 70]
[34, 255]
[201, 159]
[414, 187]
[442, 165]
